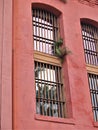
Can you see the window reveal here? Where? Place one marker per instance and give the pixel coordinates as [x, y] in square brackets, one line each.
[48, 80]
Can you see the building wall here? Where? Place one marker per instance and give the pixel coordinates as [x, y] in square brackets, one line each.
[23, 86]
[5, 64]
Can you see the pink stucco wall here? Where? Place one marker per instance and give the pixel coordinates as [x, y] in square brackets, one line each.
[5, 64]
[18, 39]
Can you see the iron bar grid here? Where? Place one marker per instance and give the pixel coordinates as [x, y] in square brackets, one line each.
[45, 31]
[90, 40]
[93, 85]
[49, 90]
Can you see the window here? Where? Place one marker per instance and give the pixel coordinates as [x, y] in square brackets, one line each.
[90, 38]
[90, 41]
[49, 90]
[48, 70]
[93, 84]
[45, 31]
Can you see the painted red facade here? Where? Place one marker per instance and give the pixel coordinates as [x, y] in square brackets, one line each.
[17, 89]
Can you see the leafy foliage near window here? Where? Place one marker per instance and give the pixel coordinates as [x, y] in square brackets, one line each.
[60, 51]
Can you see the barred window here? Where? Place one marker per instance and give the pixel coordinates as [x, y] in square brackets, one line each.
[93, 84]
[48, 70]
[49, 90]
[45, 31]
[90, 42]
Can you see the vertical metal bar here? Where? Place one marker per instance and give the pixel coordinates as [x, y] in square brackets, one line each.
[61, 99]
[50, 50]
[35, 30]
[37, 87]
[93, 44]
[52, 90]
[40, 86]
[90, 46]
[88, 37]
[55, 101]
[57, 91]
[62, 94]
[52, 32]
[45, 100]
[85, 42]
[51, 104]
[42, 73]
[47, 91]
[96, 45]
[40, 23]
[43, 22]
[96, 102]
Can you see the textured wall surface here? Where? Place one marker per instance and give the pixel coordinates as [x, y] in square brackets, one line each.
[5, 65]
[18, 32]
[25, 117]
[89, 2]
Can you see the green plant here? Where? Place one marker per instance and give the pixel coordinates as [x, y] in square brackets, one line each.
[61, 51]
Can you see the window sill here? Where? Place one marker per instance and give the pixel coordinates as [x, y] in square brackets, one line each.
[46, 58]
[70, 121]
[92, 69]
[95, 124]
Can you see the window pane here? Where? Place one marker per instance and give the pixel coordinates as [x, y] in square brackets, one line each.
[90, 40]
[45, 31]
[49, 90]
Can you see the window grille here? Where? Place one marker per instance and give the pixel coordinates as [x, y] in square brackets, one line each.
[90, 40]
[49, 90]
[93, 84]
[45, 31]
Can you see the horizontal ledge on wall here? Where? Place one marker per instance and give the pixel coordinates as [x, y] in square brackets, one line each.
[46, 58]
[92, 69]
[69, 121]
[95, 124]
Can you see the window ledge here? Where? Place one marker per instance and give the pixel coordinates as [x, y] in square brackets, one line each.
[46, 58]
[95, 124]
[70, 121]
[93, 69]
